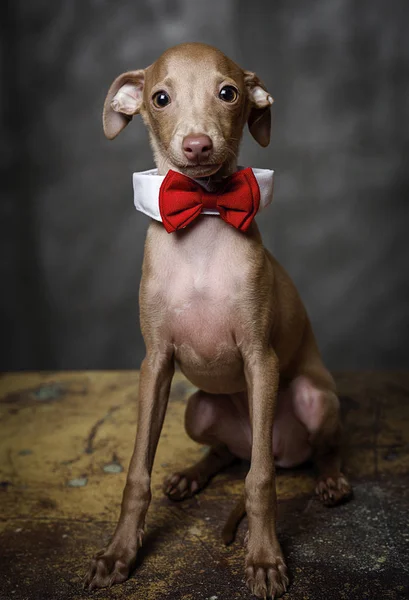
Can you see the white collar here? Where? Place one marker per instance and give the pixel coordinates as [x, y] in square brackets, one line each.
[146, 185]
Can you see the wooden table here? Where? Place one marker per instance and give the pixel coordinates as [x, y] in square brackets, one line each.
[65, 443]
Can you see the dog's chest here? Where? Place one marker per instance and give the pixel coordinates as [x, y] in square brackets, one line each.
[200, 282]
[201, 298]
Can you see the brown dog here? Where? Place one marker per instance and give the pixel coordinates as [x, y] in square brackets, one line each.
[214, 299]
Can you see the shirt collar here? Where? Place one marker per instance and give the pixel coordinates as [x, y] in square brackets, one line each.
[146, 186]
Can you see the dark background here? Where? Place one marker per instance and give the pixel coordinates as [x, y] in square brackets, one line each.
[71, 242]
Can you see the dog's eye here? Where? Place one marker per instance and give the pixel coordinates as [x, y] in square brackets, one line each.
[228, 93]
[161, 99]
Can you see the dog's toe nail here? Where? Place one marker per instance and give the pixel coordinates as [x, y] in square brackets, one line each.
[183, 484]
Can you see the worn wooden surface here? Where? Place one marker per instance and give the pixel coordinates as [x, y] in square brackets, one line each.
[65, 443]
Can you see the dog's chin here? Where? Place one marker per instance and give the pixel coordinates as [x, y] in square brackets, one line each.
[198, 171]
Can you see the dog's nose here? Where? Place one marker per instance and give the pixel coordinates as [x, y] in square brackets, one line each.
[197, 147]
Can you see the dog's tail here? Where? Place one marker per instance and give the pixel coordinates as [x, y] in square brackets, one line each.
[232, 523]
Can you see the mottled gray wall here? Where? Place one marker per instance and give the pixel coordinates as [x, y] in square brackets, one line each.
[71, 242]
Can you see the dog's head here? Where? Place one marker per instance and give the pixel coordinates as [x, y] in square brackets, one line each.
[195, 102]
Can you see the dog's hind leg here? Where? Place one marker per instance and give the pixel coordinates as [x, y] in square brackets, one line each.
[213, 420]
[318, 410]
[222, 422]
[316, 405]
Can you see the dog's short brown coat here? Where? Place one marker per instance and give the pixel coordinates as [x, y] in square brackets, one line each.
[215, 301]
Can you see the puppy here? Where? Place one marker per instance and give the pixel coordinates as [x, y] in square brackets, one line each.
[214, 300]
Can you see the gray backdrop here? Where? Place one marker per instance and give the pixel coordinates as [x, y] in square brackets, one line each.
[71, 241]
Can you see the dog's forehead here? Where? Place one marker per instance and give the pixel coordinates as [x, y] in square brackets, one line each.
[193, 62]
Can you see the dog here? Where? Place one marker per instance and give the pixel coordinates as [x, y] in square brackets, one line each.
[215, 301]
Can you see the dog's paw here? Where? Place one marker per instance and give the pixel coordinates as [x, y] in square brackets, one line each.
[180, 486]
[111, 565]
[267, 580]
[333, 491]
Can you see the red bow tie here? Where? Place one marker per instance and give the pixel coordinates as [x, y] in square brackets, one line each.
[182, 199]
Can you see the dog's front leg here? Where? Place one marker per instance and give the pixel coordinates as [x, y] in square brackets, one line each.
[113, 564]
[266, 573]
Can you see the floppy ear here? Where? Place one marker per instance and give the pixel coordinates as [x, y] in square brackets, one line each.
[259, 119]
[123, 101]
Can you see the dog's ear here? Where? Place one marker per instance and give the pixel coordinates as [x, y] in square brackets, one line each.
[259, 119]
[123, 101]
